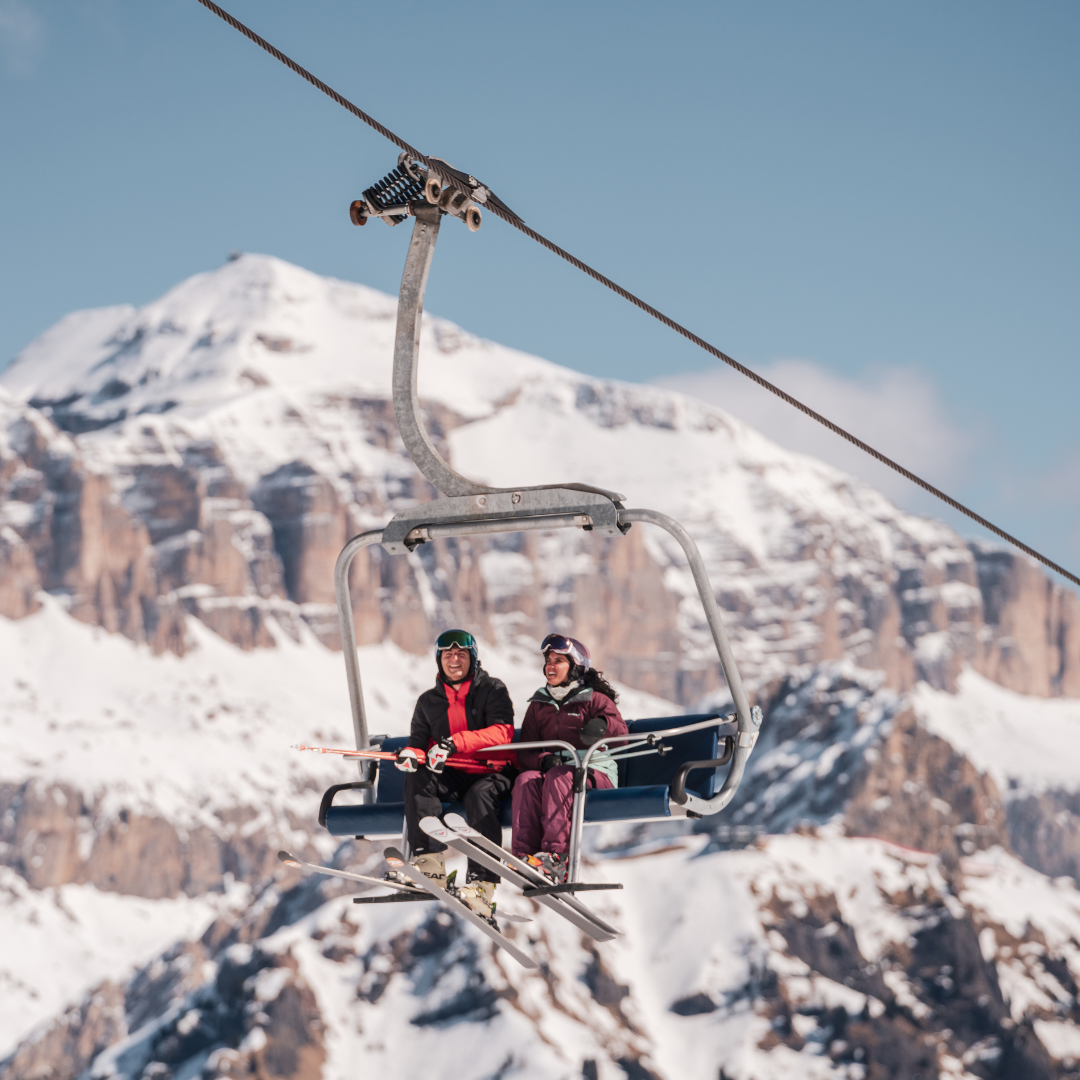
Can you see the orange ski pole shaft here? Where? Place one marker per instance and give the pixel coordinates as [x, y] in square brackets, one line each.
[377, 755]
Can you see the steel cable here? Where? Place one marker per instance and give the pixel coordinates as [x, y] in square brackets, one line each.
[511, 219]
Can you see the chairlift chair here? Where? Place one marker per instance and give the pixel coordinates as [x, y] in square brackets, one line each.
[667, 765]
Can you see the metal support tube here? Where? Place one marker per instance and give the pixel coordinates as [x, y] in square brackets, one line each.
[348, 640]
[437, 530]
[708, 602]
[749, 721]
[406, 353]
[568, 747]
[407, 363]
[577, 827]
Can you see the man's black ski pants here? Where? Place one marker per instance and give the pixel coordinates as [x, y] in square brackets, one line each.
[482, 794]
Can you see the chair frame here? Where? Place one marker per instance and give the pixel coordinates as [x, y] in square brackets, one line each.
[470, 509]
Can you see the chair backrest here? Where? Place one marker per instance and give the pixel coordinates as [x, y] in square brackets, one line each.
[636, 772]
[391, 785]
[694, 746]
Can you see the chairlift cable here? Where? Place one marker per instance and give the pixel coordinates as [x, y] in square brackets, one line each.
[495, 206]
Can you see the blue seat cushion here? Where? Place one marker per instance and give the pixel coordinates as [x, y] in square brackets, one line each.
[627, 804]
[388, 819]
[612, 804]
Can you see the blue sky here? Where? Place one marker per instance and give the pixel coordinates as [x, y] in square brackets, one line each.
[874, 203]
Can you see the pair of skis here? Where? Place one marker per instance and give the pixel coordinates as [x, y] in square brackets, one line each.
[458, 835]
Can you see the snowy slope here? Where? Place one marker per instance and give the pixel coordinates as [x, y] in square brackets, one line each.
[185, 740]
[1027, 745]
[271, 365]
[187, 737]
[111, 755]
[806, 958]
[60, 942]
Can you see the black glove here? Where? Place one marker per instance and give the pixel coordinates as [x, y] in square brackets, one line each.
[548, 762]
[593, 730]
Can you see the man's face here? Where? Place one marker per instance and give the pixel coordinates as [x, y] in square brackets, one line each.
[455, 663]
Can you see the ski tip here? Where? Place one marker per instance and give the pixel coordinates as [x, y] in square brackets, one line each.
[393, 856]
[287, 859]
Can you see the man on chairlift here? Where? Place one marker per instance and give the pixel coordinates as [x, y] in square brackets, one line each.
[466, 710]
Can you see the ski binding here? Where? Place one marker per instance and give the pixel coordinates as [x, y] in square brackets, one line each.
[399, 863]
[456, 833]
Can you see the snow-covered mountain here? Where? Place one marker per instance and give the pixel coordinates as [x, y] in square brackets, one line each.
[241, 425]
[175, 484]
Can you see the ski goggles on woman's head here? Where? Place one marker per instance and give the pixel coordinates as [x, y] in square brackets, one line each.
[455, 639]
[571, 647]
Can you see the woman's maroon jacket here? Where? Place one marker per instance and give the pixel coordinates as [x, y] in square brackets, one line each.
[547, 718]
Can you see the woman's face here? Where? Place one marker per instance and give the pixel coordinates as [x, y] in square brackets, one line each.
[556, 668]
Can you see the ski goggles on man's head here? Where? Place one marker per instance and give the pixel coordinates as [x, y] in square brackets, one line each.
[571, 647]
[455, 639]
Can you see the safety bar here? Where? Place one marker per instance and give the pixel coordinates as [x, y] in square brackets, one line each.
[634, 739]
[581, 769]
[530, 746]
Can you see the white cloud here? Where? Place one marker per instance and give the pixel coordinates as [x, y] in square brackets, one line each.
[22, 32]
[896, 410]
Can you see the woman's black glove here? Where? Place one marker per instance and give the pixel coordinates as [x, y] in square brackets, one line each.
[593, 730]
[548, 762]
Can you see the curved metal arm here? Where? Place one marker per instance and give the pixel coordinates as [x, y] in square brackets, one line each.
[348, 637]
[749, 719]
[407, 363]
[406, 352]
[678, 781]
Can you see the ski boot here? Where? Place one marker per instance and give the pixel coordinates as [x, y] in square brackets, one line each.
[554, 865]
[479, 896]
[431, 864]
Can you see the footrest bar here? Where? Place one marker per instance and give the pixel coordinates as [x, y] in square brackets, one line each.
[566, 887]
[393, 898]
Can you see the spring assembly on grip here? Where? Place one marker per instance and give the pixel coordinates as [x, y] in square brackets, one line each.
[409, 187]
[398, 188]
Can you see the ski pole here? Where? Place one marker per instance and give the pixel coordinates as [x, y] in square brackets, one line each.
[377, 755]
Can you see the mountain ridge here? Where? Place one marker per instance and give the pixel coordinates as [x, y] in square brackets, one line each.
[166, 608]
[278, 442]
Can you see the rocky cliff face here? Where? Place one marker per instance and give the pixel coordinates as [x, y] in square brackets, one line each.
[183, 477]
[823, 958]
[209, 454]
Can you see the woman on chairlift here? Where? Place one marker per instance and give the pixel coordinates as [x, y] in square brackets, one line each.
[577, 705]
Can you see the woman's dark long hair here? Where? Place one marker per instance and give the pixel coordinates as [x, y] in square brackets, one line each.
[595, 681]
